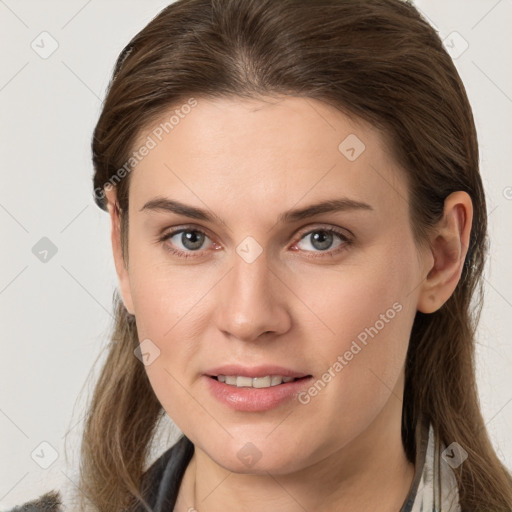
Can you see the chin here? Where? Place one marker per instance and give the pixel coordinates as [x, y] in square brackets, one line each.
[255, 458]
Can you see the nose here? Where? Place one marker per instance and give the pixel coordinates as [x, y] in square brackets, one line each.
[252, 301]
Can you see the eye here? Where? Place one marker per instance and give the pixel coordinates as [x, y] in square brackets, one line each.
[323, 240]
[185, 241]
[190, 242]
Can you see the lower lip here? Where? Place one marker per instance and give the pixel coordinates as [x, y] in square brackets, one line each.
[255, 399]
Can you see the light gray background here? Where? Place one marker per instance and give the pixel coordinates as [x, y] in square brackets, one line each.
[55, 316]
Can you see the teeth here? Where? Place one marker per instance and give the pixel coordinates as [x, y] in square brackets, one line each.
[256, 382]
[275, 380]
[262, 382]
[243, 382]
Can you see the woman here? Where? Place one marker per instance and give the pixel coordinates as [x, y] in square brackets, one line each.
[299, 232]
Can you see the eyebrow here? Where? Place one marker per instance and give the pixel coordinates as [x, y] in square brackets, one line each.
[294, 215]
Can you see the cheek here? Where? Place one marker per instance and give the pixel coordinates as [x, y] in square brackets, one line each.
[358, 298]
[169, 307]
[165, 312]
[361, 342]
[165, 295]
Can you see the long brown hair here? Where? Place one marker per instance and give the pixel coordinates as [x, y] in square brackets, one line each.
[376, 59]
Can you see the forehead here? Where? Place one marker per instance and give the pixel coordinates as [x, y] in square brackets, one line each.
[271, 152]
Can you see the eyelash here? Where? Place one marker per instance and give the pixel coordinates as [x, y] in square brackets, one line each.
[316, 254]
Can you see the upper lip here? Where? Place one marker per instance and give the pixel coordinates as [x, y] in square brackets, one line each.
[254, 371]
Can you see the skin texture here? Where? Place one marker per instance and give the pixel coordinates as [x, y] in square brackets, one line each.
[299, 305]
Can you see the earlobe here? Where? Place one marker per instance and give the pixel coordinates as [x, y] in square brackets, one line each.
[448, 247]
[119, 261]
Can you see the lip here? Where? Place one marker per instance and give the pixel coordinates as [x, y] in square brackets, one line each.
[255, 399]
[255, 371]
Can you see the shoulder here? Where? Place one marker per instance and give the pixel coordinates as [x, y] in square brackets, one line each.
[49, 502]
[161, 478]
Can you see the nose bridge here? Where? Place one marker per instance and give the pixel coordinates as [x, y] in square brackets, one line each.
[249, 305]
[251, 279]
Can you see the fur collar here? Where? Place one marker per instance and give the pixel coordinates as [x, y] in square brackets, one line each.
[49, 502]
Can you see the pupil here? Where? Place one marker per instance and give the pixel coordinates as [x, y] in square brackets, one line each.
[323, 239]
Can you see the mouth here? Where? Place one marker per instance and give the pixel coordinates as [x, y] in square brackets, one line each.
[261, 390]
[267, 381]
[255, 388]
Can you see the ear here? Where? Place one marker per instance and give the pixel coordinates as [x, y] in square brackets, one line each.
[448, 249]
[121, 266]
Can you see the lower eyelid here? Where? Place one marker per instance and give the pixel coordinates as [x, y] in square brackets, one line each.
[330, 252]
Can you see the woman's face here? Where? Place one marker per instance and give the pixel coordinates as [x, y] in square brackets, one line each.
[257, 279]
